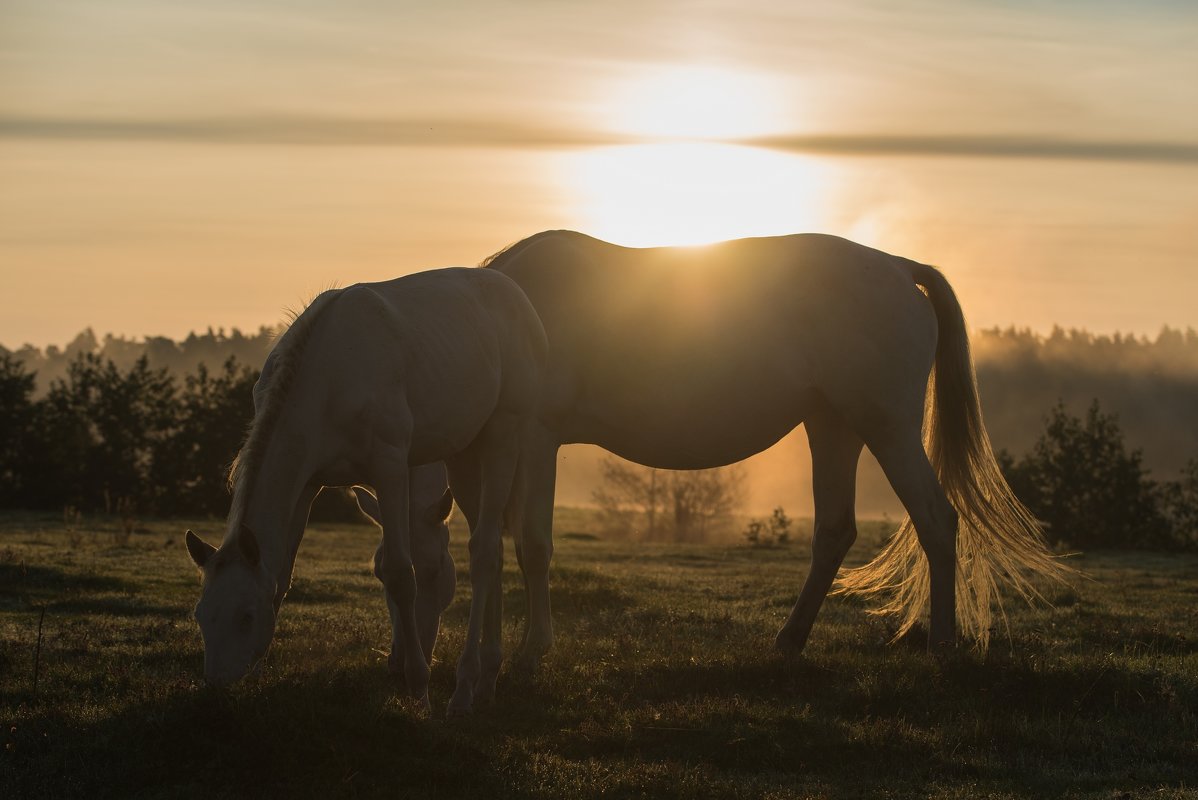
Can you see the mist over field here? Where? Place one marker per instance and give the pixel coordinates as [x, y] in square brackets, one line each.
[1150, 383]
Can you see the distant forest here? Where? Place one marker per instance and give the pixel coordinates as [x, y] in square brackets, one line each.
[1150, 384]
[211, 349]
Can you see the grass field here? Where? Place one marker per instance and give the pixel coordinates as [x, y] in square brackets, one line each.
[662, 683]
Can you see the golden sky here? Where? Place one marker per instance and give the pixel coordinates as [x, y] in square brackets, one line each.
[168, 165]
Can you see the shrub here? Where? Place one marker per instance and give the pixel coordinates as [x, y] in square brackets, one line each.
[775, 530]
[1083, 483]
[1179, 500]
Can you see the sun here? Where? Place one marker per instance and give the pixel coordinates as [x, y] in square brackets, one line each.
[695, 193]
[689, 183]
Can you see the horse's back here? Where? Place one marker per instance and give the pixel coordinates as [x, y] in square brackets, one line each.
[711, 353]
[430, 356]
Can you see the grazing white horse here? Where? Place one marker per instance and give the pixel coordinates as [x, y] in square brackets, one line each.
[369, 382]
[688, 358]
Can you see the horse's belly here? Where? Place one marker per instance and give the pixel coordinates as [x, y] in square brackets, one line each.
[681, 430]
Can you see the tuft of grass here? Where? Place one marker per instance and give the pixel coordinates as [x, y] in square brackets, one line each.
[662, 683]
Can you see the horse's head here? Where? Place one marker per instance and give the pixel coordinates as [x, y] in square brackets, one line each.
[436, 576]
[236, 611]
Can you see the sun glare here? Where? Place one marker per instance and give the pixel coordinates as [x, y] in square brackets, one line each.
[695, 102]
[695, 193]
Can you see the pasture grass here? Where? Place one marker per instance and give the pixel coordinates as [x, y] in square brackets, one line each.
[663, 682]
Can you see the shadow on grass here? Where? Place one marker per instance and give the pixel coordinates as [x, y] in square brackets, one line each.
[115, 606]
[40, 582]
[853, 728]
[328, 734]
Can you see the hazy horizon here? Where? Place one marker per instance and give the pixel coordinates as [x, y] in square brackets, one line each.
[173, 166]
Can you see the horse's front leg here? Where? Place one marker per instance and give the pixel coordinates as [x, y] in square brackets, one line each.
[395, 663]
[497, 454]
[369, 505]
[491, 652]
[534, 544]
[398, 574]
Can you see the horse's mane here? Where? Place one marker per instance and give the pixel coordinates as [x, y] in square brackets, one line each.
[497, 259]
[286, 358]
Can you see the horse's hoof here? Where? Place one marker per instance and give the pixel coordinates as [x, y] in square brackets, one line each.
[941, 649]
[525, 665]
[790, 650]
[484, 693]
[424, 706]
[458, 710]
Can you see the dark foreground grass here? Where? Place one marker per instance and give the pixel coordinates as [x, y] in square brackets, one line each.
[662, 684]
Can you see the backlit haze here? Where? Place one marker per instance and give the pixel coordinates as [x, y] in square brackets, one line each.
[167, 166]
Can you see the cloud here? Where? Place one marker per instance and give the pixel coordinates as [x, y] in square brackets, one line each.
[449, 132]
[986, 147]
[301, 130]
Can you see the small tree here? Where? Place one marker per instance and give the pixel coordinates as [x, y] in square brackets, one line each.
[1179, 500]
[677, 505]
[1081, 480]
[96, 433]
[215, 412]
[17, 412]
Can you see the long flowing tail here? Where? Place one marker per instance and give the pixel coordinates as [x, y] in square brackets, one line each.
[998, 539]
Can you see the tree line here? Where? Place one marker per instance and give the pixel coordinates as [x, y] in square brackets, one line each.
[112, 425]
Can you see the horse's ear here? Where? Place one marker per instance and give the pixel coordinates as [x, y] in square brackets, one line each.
[368, 504]
[199, 550]
[445, 506]
[247, 542]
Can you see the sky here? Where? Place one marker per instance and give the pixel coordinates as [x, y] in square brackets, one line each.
[166, 166]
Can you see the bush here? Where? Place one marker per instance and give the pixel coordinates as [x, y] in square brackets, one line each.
[16, 419]
[1081, 481]
[1179, 500]
[769, 532]
[214, 413]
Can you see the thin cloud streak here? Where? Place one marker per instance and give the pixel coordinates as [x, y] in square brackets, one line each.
[986, 147]
[399, 132]
[313, 131]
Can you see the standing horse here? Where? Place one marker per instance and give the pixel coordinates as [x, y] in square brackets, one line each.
[689, 358]
[369, 382]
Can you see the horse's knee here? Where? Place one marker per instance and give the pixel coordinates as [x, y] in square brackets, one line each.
[486, 556]
[400, 582]
[535, 556]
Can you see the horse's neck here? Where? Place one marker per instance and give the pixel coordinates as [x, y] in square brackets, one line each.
[277, 511]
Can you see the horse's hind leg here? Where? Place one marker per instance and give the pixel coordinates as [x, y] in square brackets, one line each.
[835, 449]
[914, 481]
